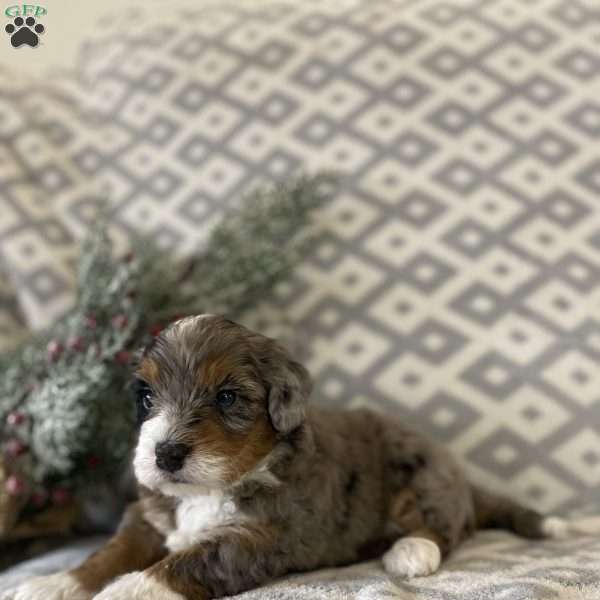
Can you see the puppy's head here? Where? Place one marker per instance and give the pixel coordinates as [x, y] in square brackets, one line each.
[214, 399]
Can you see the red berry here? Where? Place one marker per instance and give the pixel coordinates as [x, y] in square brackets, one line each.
[14, 419]
[39, 498]
[155, 330]
[60, 496]
[93, 461]
[123, 357]
[15, 486]
[76, 343]
[15, 448]
[55, 349]
[119, 321]
[91, 322]
[128, 257]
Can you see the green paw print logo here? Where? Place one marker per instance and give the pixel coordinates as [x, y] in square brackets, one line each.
[24, 30]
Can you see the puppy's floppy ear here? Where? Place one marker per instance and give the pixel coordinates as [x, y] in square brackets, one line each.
[290, 386]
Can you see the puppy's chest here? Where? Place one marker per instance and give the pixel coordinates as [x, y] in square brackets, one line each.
[197, 516]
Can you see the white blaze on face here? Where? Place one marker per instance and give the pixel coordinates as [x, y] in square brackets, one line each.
[153, 431]
[201, 471]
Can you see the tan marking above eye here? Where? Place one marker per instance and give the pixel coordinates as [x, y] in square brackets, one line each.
[215, 370]
[148, 370]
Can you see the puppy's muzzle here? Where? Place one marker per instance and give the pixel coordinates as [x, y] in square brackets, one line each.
[170, 456]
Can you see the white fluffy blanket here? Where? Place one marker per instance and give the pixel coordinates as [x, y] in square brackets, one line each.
[491, 566]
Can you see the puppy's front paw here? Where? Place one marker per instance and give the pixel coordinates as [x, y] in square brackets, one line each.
[60, 586]
[412, 557]
[137, 586]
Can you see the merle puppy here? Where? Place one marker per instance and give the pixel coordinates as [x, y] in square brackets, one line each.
[241, 482]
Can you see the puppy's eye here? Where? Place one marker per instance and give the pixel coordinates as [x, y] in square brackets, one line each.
[225, 398]
[147, 401]
[143, 397]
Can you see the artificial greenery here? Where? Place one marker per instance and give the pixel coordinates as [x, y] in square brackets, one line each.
[66, 417]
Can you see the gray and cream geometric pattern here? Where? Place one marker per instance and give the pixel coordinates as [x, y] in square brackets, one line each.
[457, 277]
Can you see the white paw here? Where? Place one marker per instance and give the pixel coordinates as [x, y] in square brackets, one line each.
[137, 586]
[60, 586]
[412, 557]
[558, 529]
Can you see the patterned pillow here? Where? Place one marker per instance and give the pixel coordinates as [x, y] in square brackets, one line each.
[458, 279]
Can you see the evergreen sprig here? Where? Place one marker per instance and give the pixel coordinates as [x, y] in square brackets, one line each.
[66, 418]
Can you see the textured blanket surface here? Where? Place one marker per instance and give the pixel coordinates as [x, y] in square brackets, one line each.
[492, 565]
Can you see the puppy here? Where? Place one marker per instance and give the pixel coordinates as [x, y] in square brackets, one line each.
[241, 482]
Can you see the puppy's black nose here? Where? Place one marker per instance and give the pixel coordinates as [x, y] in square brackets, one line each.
[170, 456]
